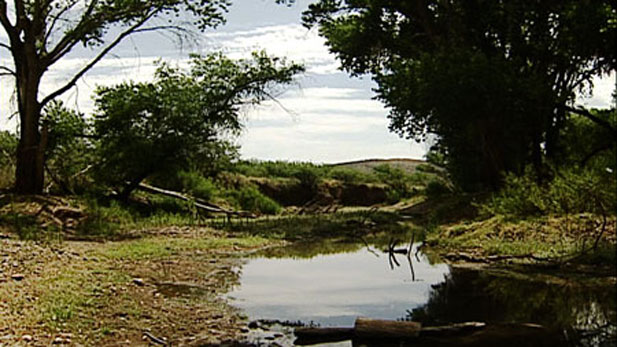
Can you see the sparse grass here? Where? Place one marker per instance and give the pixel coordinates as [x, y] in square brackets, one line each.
[162, 247]
[547, 236]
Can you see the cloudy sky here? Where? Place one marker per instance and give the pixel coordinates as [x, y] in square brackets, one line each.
[326, 116]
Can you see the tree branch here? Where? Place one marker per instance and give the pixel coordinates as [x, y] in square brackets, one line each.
[7, 71]
[601, 122]
[20, 14]
[94, 61]
[4, 45]
[6, 23]
[70, 40]
[55, 19]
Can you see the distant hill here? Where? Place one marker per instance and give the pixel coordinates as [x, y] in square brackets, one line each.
[367, 165]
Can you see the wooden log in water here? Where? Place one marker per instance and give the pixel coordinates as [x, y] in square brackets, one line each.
[311, 336]
[366, 328]
[452, 329]
[375, 332]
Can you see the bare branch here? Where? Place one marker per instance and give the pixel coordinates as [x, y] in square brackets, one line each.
[601, 122]
[98, 58]
[163, 27]
[55, 19]
[7, 71]
[4, 45]
[70, 40]
[6, 23]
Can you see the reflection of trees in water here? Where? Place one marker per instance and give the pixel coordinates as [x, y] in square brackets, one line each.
[587, 310]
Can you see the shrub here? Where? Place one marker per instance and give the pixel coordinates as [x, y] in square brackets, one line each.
[572, 190]
[397, 179]
[197, 185]
[347, 175]
[8, 148]
[251, 199]
[436, 188]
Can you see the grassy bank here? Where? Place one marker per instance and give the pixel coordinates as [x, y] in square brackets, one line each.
[167, 283]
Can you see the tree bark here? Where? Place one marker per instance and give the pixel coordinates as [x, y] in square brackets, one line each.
[29, 173]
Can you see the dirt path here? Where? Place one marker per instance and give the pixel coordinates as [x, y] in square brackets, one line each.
[164, 285]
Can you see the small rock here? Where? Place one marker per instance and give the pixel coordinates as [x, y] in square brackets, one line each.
[244, 330]
[270, 338]
[253, 325]
[27, 338]
[15, 264]
[278, 335]
[139, 282]
[18, 277]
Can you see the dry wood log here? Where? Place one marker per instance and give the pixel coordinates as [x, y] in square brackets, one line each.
[452, 329]
[311, 336]
[366, 328]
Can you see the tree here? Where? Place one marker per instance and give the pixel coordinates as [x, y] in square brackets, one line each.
[494, 80]
[164, 125]
[42, 32]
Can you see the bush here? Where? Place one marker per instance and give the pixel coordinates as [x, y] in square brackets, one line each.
[436, 188]
[397, 179]
[197, 185]
[8, 149]
[571, 191]
[251, 199]
[347, 175]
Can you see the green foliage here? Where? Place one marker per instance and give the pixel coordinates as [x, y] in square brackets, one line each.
[571, 191]
[436, 188]
[44, 33]
[401, 185]
[492, 80]
[181, 115]
[190, 182]
[274, 169]
[348, 175]
[583, 143]
[197, 185]
[69, 153]
[249, 198]
[8, 148]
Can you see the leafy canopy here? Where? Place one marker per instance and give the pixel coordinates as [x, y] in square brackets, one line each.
[494, 80]
[147, 128]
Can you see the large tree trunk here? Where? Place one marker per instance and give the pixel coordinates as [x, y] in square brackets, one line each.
[29, 173]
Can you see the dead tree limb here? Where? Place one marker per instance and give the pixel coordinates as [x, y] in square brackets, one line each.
[197, 203]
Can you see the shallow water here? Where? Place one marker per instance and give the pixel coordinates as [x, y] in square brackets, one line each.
[334, 289]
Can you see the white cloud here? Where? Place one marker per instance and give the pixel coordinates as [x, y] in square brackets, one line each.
[332, 117]
[602, 92]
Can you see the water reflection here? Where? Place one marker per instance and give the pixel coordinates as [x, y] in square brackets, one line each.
[348, 280]
[584, 308]
[332, 290]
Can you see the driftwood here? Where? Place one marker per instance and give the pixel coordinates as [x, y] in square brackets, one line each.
[311, 336]
[366, 328]
[375, 332]
[452, 329]
[200, 204]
